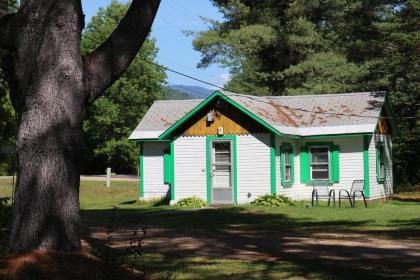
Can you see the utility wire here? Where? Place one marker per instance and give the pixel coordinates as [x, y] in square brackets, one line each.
[252, 97]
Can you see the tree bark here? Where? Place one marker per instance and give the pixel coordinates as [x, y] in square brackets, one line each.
[50, 91]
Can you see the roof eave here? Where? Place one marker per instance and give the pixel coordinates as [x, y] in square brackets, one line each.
[167, 133]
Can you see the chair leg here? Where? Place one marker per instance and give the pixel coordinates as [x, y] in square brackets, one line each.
[339, 198]
[312, 203]
[329, 199]
[354, 200]
[349, 197]
[364, 200]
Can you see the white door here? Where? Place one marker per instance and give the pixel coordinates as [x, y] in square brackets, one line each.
[221, 172]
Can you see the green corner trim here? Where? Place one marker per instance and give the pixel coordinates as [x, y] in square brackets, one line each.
[172, 169]
[209, 139]
[289, 148]
[141, 171]
[273, 163]
[366, 141]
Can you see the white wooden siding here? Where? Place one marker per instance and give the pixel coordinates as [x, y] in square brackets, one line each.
[253, 166]
[297, 191]
[385, 189]
[351, 165]
[153, 184]
[190, 167]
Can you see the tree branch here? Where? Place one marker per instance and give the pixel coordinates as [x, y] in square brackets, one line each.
[7, 40]
[107, 63]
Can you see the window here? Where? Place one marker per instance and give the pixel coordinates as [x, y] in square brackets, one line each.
[319, 163]
[380, 162]
[287, 175]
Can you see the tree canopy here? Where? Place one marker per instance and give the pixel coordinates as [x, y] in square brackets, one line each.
[110, 120]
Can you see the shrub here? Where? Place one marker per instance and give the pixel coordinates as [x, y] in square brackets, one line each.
[192, 202]
[272, 200]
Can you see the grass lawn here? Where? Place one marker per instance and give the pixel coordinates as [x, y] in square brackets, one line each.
[213, 243]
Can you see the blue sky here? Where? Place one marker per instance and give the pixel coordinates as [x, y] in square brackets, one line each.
[175, 48]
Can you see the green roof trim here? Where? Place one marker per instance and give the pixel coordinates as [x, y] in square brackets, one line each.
[209, 99]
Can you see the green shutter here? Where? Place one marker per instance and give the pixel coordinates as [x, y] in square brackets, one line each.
[167, 172]
[282, 165]
[335, 163]
[304, 165]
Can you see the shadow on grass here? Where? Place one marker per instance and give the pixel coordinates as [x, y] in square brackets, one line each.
[261, 245]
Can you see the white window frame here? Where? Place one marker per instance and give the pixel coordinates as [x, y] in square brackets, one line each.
[328, 162]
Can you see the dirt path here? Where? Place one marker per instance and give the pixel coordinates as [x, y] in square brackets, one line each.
[369, 251]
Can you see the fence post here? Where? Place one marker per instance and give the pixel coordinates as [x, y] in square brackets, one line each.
[108, 177]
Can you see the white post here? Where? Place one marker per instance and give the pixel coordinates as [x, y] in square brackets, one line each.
[108, 177]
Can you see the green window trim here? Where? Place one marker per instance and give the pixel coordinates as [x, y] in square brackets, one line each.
[287, 147]
[334, 162]
[366, 175]
[273, 163]
[141, 171]
[208, 165]
[380, 178]
[168, 169]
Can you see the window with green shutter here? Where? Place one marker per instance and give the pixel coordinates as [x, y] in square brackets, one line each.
[287, 164]
[320, 161]
[380, 162]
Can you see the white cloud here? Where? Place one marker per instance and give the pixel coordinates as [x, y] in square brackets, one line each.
[222, 79]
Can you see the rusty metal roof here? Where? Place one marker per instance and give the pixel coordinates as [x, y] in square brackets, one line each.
[298, 115]
[314, 110]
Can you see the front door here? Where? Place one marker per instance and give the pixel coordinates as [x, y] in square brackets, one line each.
[221, 172]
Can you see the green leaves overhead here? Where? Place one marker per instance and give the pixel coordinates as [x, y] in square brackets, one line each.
[113, 116]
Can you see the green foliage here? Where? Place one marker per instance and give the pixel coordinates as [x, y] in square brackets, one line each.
[173, 94]
[7, 120]
[287, 47]
[272, 200]
[192, 202]
[110, 120]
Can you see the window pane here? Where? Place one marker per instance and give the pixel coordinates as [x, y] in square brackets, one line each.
[222, 157]
[222, 147]
[382, 170]
[381, 153]
[319, 155]
[320, 167]
[221, 167]
[288, 174]
[286, 157]
[316, 175]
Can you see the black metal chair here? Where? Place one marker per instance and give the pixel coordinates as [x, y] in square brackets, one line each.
[321, 189]
[357, 190]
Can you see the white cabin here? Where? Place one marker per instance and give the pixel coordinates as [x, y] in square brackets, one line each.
[230, 148]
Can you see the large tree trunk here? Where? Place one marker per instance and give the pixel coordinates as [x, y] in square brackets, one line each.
[51, 84]
[48, 96]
